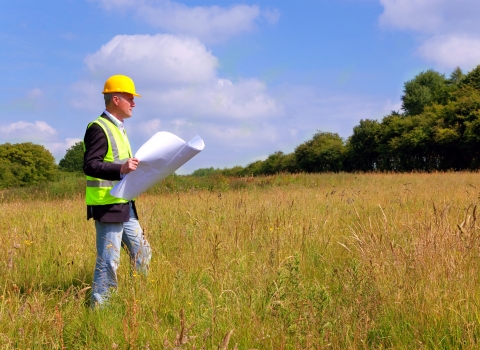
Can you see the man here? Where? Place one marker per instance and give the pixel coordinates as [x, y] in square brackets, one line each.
[108, 158]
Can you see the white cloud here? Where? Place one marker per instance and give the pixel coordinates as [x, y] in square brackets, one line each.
[26, 131]
[148, 127]
[418, 15]
[211, 24]
[431, 16]
[452, 50]
[38, 132]
[155, 59]
[217, 99]
[176, 76]
[448, 30]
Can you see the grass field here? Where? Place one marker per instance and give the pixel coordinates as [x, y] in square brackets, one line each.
[332, 261]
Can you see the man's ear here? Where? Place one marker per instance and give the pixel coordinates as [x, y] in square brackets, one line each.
[115, 100]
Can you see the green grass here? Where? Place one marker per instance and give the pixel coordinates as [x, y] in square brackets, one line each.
[340, 261]
[72, 185]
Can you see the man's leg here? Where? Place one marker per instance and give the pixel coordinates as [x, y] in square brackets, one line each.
[109, 238]
[136, 244]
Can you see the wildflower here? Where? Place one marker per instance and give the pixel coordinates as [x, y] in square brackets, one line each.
[27, 242]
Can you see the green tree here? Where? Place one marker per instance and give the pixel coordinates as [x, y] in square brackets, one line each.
[273, 164]
[7, 177]
[458, 137]
[289, 163]
[456, 77]
[252, 169]
[438, 131]
[235, 171]
[425, 89]
[73, 160]
[206, 171]
[323, 153]
[362, 147]
[408, 143]
[472, 78]
[25, 164]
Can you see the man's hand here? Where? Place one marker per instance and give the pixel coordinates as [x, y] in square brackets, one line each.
[130, 165]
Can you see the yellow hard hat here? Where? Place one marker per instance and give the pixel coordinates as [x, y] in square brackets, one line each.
[119, 83]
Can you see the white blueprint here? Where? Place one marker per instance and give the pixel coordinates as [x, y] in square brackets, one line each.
[158, 157]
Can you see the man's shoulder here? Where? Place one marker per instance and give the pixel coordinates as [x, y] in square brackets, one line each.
[99, 121]
[101, 117]
[94, 129]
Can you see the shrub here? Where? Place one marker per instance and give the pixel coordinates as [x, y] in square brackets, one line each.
[25, 164]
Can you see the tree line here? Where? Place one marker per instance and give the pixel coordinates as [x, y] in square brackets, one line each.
[437, 129]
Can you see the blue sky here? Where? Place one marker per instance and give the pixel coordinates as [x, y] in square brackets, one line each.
[249, 77]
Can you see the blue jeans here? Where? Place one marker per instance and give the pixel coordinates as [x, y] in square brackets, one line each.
[110, 237]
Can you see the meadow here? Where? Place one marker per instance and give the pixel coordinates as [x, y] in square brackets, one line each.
[326, 261]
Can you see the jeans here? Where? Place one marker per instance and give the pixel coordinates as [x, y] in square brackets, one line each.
[110, 237]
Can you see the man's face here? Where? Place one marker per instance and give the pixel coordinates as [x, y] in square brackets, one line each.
[125, 104]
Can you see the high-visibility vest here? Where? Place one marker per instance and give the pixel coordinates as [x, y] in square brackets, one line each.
[98, 190]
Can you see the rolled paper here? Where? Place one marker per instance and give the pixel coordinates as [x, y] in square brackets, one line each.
[159, 157]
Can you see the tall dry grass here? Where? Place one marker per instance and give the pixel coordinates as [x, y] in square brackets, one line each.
[336, 261]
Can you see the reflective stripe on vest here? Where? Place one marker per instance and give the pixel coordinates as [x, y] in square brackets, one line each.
[113, 143]
[101, 183]
[98, 190]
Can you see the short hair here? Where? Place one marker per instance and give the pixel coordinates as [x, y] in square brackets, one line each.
[107, 98]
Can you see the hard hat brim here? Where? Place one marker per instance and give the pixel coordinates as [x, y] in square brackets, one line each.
[121, 92]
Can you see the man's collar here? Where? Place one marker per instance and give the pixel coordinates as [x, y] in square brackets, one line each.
[115, 121]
